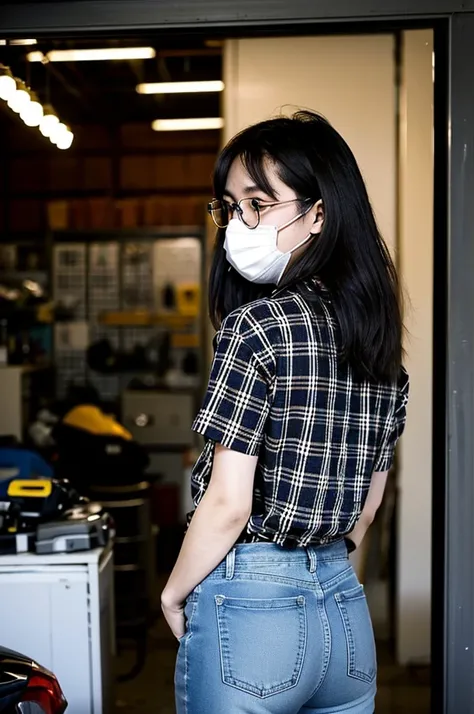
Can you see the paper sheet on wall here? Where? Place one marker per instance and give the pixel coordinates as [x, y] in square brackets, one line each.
[175, 261]
[71, 336]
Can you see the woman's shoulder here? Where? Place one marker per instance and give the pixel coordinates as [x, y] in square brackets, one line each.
[258, 325]
[256, 316]
[269, 317]
[268, 311]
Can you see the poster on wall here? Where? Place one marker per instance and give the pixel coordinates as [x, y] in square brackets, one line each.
[137, 276]
[71, 336]
[176, 263]
[69, 285]
[103, 278]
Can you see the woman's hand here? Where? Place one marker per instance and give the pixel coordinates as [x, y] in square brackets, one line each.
[218, 521]
[174, 615]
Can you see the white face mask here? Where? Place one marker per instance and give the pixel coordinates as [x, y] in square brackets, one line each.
[254, 252]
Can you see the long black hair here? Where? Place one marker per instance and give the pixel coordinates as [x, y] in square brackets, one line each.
[349, 257]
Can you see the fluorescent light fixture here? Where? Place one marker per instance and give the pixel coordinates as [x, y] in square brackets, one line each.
[36, 57]
[24, 42]
[187, 124]
[107, 53]
[180, 87]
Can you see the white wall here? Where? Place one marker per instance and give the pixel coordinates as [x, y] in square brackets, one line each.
[416, 270]
[351, 81]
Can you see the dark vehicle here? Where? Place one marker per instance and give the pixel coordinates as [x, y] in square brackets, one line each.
[26, 687]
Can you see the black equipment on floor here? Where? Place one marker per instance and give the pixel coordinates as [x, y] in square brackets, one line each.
[130, 507]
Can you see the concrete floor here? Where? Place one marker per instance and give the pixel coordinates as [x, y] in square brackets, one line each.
[400, 691]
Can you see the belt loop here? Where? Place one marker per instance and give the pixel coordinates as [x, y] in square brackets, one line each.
[230, 564]
[312, 560]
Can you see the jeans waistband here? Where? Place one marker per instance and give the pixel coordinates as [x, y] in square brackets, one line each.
[245, 554]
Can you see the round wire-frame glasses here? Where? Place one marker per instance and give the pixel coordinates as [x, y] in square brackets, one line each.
[248, 210]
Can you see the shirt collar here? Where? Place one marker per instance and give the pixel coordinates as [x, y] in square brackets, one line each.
[312, 284]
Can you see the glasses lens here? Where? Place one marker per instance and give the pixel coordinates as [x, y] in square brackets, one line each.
[219, 212]
[250, 214]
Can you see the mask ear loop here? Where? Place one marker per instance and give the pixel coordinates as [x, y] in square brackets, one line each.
[310, 235]
[293, 220]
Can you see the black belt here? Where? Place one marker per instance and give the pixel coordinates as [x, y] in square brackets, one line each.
[257, 538]
[252, 538]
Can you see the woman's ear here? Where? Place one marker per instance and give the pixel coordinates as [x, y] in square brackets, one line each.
[318, 213]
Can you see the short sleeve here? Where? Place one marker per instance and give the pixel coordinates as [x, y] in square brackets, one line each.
[237, 401]
[395, 426]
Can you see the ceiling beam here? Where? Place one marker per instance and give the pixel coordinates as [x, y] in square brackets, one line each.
[99, 16]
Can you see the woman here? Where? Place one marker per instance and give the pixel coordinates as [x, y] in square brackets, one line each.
[305, 404]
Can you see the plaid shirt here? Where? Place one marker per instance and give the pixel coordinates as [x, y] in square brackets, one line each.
[278, 390]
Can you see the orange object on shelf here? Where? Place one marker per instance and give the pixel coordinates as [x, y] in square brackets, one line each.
[184, 340]
[101, 213]
[144, 318]
[58, 215]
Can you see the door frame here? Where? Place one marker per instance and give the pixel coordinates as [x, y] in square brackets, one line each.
[24, 17]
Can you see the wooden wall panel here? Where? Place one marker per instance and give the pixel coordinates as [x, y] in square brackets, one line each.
[101, 213]
[175, 211]
[142, 136]
[23, 138]
[97, 173]
[26, 216]
[128, 176]
[65, 173]
[92, 137]
[200, 167]
[187, 171]
[26, 174]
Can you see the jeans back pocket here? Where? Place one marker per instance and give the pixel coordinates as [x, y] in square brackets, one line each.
[262, 642]
[362, 658]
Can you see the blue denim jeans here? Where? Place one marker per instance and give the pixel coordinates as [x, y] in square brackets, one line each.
[278, 631]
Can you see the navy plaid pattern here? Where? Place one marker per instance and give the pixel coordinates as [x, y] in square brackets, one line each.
[278, 390]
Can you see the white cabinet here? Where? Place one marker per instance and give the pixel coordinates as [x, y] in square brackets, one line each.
[59, 609]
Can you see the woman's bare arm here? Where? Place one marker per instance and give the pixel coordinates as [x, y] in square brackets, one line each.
[217, 523]
[371, 506]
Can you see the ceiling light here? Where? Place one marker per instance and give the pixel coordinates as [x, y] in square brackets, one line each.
[58, 129]
[107, 53]
[65, 139]
[187, 124]
[23, 42]
[18, 100]
[7, 84]
[180, 87]
[32, 112]
[48, 122]
[62, 136]
[22, 100]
